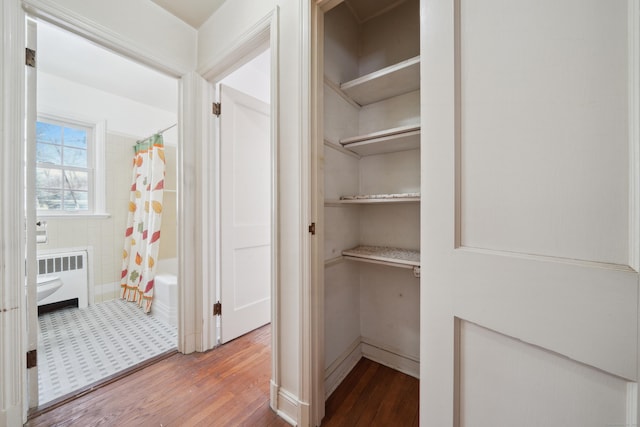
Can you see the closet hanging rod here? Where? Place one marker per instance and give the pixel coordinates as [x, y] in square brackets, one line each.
[157, 133]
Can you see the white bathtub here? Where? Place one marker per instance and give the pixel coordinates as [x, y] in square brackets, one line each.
[165, 291]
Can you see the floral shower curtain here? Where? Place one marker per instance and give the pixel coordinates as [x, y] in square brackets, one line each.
[142, 236]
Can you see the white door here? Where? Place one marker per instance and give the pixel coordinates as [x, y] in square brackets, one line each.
[529, 292]
[30, 216]
[245, 213]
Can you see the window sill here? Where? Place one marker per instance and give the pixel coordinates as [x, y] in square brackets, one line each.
[73, 215]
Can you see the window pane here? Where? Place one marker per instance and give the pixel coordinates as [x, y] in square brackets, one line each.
[46, 132]
[75, 157]
[76, 200]
[47, 153]
[49, 199]
[63, 167]
[48, 178]
[75, 137]
[76, 180]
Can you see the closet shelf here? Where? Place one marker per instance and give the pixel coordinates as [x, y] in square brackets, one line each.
[388, 82]
[375, 199]
[404, 258]
[402, 138]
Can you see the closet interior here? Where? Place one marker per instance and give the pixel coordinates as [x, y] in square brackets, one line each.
[371, 168]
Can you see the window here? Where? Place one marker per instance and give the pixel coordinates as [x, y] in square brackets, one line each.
[66, 168]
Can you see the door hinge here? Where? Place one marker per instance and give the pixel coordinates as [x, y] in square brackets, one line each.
[312, 229]
[217, 309]
[30, 57]
[216, 108]
[32, 359]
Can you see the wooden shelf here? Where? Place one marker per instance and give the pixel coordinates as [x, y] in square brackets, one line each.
[388, 82]
[375, 199]
[404, 258]
[386, 141]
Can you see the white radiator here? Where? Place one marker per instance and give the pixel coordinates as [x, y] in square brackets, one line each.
[72, 268]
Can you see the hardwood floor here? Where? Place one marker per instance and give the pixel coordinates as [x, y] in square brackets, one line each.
[229, 386]
[373, 395]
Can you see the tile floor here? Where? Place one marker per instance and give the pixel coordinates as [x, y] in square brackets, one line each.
[77, 347]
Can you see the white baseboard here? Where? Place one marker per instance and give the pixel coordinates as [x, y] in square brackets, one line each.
[391, 358]
[364, 347]
[340, 368]
[286, 406]
[632, 404]
[273, 395]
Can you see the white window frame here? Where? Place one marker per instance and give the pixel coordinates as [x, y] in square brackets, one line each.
[96, 151]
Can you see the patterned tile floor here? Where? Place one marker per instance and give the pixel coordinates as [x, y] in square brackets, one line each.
[77, 347]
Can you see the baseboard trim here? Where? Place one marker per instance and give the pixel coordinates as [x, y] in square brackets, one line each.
[390, 358]
[340, 368]
[273, 395]
[632, 403]
[363, 347]
[287, 406]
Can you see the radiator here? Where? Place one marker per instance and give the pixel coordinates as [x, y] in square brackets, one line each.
[72, 269]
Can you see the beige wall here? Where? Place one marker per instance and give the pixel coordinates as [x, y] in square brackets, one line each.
[168, 235]
[106, 235]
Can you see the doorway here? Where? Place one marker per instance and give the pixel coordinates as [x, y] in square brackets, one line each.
[245, 171]
[115, 102]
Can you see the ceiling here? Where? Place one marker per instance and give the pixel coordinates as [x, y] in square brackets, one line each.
[193, 12]
[66, 55]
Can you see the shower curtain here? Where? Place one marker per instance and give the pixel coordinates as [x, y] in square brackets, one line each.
[142, 235]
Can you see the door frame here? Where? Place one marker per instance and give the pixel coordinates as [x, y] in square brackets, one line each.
[316, 42]
[14, 23]
[13, 336]
[263, 34]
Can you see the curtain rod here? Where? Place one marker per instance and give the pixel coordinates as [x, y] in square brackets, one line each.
[157, 133]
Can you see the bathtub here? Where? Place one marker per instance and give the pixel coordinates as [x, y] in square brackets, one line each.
[165, 291]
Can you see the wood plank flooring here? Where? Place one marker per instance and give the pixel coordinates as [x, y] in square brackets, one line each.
[229, 386]
[373, 395]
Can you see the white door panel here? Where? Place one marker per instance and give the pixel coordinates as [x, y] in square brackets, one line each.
[586, 313]
[529, 293]
[30, 210]
[547, 107]
[245, 212]
[550, 382]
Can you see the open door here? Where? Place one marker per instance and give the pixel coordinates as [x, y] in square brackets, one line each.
[529, 291]
[30, 216]
[245, 213]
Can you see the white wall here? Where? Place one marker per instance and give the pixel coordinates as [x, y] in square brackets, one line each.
[65, 98]
[215, 40]
[142, 29]
[253, 78]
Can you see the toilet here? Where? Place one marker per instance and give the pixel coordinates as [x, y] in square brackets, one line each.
[47, 285]
[165, 298]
